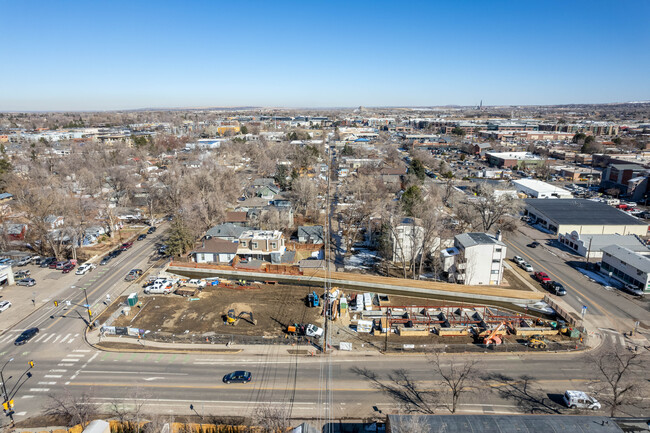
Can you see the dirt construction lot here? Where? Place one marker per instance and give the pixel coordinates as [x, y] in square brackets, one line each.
[273, 306]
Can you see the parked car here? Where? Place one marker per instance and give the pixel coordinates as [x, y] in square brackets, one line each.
[555, 287]
[580, 400]
[68, 268]
[518, 260]
[151, 230]
[162, 250]
[26, 282]
[115, 253]
[542, 277]
[45, 263]
[26, 336]
[533, 244]
[239, 376]
[526, 267]
[62, 264]
[24, 261]
[4, 305]
[105, 260]
[21, 274]
[86, 267]
[126, 245]
[142, 237]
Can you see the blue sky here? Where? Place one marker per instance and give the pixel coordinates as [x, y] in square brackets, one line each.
[95, 55]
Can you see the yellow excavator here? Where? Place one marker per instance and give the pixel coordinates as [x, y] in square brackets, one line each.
[233, 319]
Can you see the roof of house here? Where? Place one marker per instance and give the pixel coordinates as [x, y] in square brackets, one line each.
[506, 423]
[264, 181]
[581, 212]
[393, 171]
[235, 217]
[472, 239]
[311, 232]
[227, 230]
[215, 245]
[633, 259]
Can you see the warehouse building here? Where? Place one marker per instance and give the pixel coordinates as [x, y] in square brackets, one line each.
[538, 189]
[626, 266]
[591, 246]
[582, 216]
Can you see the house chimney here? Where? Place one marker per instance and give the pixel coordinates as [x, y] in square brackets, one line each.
[499, 236]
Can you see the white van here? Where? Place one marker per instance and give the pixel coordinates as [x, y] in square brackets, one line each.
[613, 201]
[580, 400]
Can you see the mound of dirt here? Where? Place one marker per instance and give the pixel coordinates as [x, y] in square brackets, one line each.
[238, 307]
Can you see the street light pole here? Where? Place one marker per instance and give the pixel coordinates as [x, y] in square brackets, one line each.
[87, 306]
[4, 386]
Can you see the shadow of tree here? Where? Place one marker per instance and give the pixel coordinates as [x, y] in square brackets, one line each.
[524, 393]
[405, 391]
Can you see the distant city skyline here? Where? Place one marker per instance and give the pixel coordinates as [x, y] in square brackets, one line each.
[86, 56]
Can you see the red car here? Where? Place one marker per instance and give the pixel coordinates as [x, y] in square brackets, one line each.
[67, 268]
[542, 277]
[126, 245]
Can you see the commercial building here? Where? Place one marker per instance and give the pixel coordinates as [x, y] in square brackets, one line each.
[582, 216]
[538, 189]
[630, 179]
[591, 246]
[512, 159]
[475, 259]
[626, 266]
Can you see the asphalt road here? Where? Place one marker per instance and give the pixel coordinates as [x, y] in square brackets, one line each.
[169, 383]
[610, 309]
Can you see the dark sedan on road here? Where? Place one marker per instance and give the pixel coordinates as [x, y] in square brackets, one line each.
[555, 287]
[142, 237]
[533, 244]
[238, 377]
[151, 230]
[26, 336]
[105, 260]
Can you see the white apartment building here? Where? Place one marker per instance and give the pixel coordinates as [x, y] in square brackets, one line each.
[262, 244]
[475, 259]
[406, 240]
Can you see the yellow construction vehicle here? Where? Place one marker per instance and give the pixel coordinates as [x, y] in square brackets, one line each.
[536, 342]
[233, 319]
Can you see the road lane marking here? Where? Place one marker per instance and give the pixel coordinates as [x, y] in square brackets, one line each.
[50, 336]
[134, 372]
[82, 350]
[27, 396]
[56, 339]
[74, 355]
[64, 365]
[40, 338]
[39, 389]
[46, 383]
[65, 338]
[21, 413]
[70, 360]
[58, 371]
[53, 376]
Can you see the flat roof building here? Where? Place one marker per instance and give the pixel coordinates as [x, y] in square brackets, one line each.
[582, 216]
[538, 189]
[591, 246]
[512, 159]
[626, 266]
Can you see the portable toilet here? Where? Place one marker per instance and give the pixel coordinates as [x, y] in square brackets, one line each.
[343, 305]
[132, 300]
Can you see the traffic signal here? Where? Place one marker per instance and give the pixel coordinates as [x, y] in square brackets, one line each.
[56, 303]
[8, 405]
[31, 364]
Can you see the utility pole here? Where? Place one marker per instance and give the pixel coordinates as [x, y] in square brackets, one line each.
[87, 305]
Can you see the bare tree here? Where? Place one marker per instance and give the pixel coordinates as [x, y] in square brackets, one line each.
[72, 409]
[524, 392]
[272, 419]
[489, 208]
[303, 193]
[620, 373]
[457, 377]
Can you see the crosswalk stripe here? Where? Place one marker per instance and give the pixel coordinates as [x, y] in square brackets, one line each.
[46, 383]
[82, 350]
[51, 335]
[7, 338]
[65, 338]
[70, 360]
[53, 376]
[40, 338]
[74, 355]
[39, 389]
[56, 339]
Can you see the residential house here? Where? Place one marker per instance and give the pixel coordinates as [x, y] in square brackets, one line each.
[268, 245]
[475, 259]
[237, 218]
[311, 235]
[405, 240]
[228, 232]
[215, 250]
